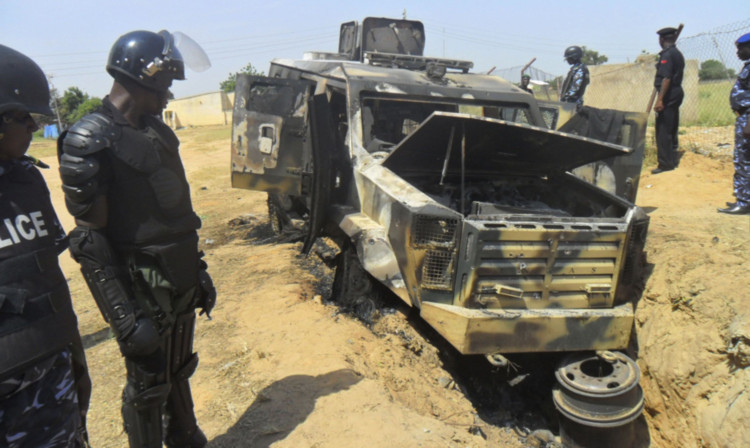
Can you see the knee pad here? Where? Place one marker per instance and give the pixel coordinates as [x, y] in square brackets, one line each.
[187, 369]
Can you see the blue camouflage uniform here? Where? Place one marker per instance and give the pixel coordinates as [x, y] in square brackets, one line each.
[739, 100]
[575, 85]
[39, 407]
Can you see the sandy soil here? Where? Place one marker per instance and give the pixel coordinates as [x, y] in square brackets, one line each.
[282, 367]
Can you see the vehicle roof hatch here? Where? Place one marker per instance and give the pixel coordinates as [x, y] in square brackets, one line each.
[384, 35]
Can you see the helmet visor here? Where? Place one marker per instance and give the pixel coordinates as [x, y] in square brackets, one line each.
[192, 54]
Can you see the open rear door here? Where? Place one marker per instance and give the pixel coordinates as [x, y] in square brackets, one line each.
[270, 145]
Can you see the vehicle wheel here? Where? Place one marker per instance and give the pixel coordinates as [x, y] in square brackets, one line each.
[355, 290]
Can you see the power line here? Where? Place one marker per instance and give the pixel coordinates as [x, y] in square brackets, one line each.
[263, 45]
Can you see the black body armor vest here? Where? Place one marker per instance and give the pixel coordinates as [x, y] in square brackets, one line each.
[36, 314]
[148, 197]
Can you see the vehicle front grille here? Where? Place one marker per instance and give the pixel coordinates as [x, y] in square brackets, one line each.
[528, 265]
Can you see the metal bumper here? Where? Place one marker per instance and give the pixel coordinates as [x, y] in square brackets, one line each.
[484, 331]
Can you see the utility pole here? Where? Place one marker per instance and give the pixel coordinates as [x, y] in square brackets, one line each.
[54, 100]
[404, 14]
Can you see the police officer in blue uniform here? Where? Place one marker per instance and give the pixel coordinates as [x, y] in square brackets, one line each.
[578, 78]
[668, 83]
[44, 383]
[739, 100]
[136, 236]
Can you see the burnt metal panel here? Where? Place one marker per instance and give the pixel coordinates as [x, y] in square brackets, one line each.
[527, 265]
[618, 127]
[270, 151]
[518, 331]
[385, 35]
[494, 147]
[349, 44]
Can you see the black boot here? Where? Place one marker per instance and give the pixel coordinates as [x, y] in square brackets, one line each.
[196, 440]
[735, 210]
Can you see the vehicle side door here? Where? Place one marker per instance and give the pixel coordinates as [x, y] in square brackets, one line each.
[271, 148]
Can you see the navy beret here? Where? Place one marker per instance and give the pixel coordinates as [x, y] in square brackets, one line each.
[666, 31]
[744, 39]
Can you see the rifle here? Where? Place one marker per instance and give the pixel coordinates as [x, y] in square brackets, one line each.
[653, 92]
[527, 65]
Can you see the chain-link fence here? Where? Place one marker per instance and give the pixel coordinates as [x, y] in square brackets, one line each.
[716, 54]
[711, 70]
[543, 83]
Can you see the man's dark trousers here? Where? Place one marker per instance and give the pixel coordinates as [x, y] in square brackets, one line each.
[667, 122]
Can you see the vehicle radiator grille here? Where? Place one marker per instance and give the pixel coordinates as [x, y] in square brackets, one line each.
[532, 267]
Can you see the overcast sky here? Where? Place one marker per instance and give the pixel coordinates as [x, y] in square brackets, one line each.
[71, 40]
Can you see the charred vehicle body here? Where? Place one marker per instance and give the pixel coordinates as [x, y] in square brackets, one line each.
[455, 191]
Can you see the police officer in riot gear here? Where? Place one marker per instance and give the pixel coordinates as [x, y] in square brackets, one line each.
[136, 235]
[44, 382]
[739, 100]
[575, 83]
[668, 83]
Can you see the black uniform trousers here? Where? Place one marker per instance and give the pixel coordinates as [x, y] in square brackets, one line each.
[667, 123]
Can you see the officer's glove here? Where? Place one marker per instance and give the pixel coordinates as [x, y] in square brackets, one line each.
[206, 293]
[142, 340]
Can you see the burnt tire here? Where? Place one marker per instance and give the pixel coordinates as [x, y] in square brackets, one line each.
[286, 214]
[354, 289]
[274, 217]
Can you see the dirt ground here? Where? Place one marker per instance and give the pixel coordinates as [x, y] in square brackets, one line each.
[282, 367]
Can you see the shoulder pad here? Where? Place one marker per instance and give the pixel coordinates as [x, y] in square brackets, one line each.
[90, 134]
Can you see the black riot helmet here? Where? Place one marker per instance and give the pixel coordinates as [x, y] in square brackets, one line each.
[573, 53]
[150, 59]
[23, 85]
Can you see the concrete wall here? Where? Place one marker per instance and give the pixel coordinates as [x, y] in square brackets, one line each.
[629, 86]
[613, 86]
[200, 110]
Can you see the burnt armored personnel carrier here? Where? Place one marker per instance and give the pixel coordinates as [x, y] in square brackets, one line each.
[455, 191]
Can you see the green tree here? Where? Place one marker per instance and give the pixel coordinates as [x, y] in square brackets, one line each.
[713, 69]
[228, 84]
[69, 102]
[85, 108]
[591, 57]
[73, 105]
